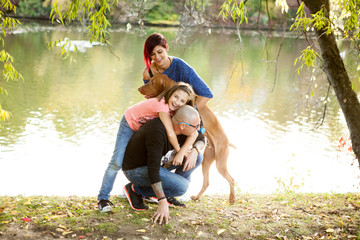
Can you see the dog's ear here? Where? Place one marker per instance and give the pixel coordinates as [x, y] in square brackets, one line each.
[166, 83]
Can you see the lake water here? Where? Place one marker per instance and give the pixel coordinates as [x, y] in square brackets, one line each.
[66, 115]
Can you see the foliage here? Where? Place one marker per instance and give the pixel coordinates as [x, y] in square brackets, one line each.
[33, 8]
[162, 10]
[92, 11]
[342, 20]
[8, 70]
[237, 11]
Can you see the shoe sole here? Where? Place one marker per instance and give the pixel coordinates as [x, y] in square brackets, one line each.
[151, 200]
[129, 200]
[106, 209]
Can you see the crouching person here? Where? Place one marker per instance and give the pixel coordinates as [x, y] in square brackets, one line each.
[142, 163]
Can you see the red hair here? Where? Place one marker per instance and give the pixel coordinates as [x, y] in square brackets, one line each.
[152, 41]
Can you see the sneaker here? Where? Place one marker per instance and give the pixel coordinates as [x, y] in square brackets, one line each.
[135, 200]
[104, 206]
[151, 199]
[174, 202]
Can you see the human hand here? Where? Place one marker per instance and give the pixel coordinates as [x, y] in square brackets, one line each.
[178, 159]
[162, 213]
[190, 160]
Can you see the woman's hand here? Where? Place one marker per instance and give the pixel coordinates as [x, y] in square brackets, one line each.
[162, 213]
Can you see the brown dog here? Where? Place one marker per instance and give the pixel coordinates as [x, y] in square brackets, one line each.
[217, 147]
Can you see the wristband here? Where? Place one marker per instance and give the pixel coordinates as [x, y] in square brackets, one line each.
[161, 198]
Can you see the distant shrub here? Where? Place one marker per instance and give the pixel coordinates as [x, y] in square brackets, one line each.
[33, 8]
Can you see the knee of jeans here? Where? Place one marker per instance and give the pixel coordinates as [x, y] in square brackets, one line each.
[114, 167]
[183, 188]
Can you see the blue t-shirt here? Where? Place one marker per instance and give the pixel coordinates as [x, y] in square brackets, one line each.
[180, 71]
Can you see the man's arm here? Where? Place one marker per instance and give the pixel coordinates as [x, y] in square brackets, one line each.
[163, 208]
[195, 151]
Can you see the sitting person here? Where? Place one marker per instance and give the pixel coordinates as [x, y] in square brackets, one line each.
[162, 107]
[142, 163]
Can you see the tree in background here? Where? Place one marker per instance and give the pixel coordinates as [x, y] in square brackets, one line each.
[8, 71]
[332, 21]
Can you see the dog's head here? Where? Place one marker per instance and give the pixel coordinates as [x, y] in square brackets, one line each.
[156, 85]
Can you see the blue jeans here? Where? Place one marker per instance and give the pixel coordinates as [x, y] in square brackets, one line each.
[123, 137]
[174, 183]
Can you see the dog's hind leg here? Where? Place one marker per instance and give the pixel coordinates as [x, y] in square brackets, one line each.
[221, 165]
[209, 157]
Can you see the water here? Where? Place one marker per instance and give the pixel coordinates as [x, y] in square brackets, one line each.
[66, 115]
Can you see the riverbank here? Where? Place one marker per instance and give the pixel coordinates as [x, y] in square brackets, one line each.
[276, 216]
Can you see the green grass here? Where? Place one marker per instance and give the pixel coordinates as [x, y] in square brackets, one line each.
[252, 216]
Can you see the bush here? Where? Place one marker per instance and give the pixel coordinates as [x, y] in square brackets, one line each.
[33, 8]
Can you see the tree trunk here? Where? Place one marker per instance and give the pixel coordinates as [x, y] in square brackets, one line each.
[334, 68]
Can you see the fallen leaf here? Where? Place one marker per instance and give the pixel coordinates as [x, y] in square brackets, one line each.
[63, 227]
[200, 233]
[25, 219]
[66, 232]
[146, 238]
[351, 236]
[330, 230]
[141, 230]
[220, 231]
[145, 219]
[69, 213]
[81, 237]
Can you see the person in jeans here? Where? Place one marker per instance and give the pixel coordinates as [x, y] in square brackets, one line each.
[163, 107]
[143, 157]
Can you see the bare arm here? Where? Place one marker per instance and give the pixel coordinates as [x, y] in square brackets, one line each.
[191, 159]
[166, 120]
[179, 157]
[146, 75]
[162, 213]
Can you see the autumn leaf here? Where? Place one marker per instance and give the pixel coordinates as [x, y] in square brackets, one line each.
[220, 231]
[25, 219]
[66, 232]
[141, 230]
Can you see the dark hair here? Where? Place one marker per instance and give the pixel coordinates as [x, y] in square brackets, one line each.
[152, 41]
[179, 86]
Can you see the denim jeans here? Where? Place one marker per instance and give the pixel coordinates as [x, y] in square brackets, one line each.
[174, 183]
[123, 137]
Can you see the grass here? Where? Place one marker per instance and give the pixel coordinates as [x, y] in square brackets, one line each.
[276, 216]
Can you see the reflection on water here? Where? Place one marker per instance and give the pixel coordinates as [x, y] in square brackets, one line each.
[66, 115]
